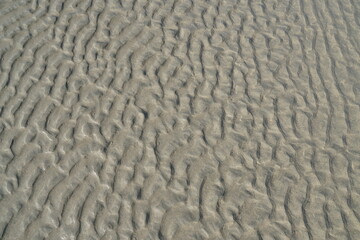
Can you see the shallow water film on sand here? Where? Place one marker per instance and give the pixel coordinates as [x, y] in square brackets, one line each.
[179, 119]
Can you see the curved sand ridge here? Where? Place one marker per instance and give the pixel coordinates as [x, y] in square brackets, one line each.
[179, 119]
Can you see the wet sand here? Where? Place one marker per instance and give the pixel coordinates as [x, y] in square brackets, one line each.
[179, 120]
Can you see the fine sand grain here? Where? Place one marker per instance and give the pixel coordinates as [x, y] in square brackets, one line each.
[179, 119]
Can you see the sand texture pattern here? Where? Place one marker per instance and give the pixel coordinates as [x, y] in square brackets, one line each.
[179, 119]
